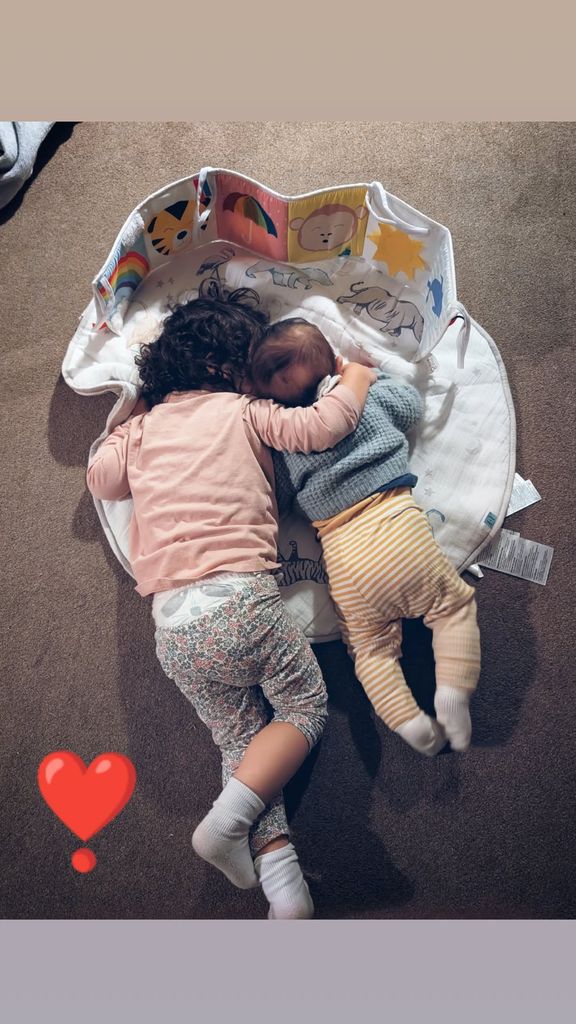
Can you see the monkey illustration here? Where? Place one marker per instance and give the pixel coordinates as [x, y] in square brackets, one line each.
[327, 228]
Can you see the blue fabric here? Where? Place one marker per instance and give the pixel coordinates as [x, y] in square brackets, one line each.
[322, 484]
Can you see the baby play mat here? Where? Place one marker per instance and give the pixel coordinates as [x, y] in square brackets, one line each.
[377, 277]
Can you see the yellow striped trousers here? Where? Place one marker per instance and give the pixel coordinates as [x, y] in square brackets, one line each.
[384, 565]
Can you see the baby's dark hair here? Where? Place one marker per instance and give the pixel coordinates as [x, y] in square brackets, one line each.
[204, 344]
[289, 342]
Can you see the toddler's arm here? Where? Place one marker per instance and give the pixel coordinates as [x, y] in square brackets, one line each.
[313, 428]
[107, 474]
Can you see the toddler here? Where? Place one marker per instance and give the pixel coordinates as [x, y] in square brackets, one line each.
[382, 561]
[203, 541]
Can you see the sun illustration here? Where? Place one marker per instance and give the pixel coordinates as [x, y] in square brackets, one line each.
[398, 250]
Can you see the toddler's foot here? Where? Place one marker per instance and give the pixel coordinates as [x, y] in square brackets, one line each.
[423, 734]
[222, 836]
[451, 705]
[284, 885]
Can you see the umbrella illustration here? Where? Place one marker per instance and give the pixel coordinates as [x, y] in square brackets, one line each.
[249, 207]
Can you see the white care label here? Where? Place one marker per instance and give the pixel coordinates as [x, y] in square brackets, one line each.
[523, 494]
[512, 554]
[475, 570]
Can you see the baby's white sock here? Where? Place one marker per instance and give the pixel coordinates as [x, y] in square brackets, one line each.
[284, 885]
[423, 734]
[451, 706]
[222, 836]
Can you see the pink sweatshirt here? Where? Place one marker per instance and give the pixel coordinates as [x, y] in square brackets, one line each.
[199, 470]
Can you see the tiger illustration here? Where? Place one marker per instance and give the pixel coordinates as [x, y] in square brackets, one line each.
[171, 229]
[295, 569]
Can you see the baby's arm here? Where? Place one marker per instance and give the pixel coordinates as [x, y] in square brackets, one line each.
[313, 428]
[107, 475]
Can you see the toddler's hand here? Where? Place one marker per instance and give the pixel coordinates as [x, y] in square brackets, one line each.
[359, 371]
[358, 378]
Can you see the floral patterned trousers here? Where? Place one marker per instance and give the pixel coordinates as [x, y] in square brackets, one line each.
[228, 660]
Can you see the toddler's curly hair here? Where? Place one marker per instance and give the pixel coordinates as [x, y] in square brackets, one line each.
[204, 345]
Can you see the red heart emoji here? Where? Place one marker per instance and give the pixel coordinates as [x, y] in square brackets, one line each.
[86, 799]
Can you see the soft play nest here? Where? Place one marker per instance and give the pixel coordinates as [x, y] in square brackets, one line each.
[377, 277]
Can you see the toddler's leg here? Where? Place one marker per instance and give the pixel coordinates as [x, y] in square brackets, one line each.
[222, 833]
[252, 641]
[284, 885]
[233, 715]
[294, 687]
[271, 828]
[292, 683]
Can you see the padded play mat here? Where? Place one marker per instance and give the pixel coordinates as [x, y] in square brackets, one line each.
[377, 277]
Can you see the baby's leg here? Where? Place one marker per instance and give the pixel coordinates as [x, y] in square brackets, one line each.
[427, 585]
[403, 571]
[371, 577]
[456, 644]
[376, 648]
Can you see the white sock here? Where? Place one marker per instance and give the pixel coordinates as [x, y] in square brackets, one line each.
[284, 885]
[451, 706]
[423, 734]
[222, 836]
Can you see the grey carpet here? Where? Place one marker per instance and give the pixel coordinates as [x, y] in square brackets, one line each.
[382, 832]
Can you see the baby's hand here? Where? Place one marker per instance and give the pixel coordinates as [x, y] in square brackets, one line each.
[340, 364]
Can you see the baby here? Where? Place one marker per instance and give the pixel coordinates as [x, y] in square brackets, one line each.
[381, 558]
[203, 541]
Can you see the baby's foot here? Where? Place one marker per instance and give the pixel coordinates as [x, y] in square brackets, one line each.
[222, 836]
[451, 706]
[423, 734]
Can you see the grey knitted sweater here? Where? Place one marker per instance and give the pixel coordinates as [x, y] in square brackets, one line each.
[322, 484]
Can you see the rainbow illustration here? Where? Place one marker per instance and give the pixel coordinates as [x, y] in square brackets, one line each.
[249, 207]
[130, 270]
[119, 281]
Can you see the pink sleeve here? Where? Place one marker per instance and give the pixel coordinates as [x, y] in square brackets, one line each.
[311, 428]
[107, 475]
